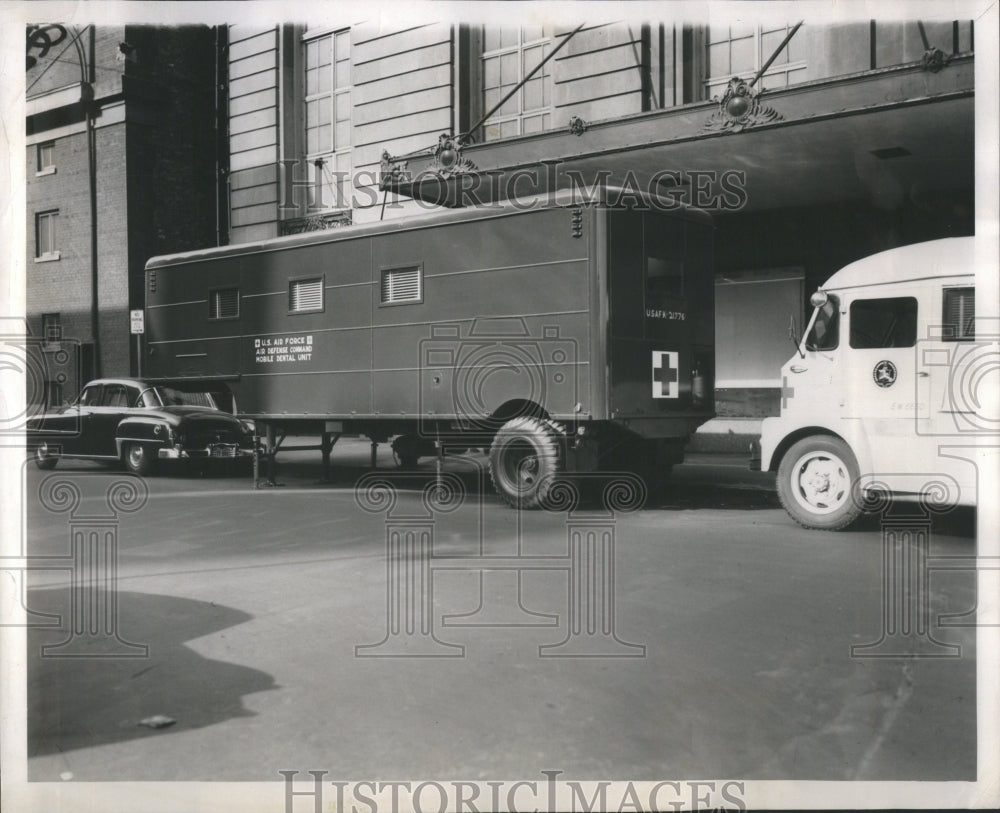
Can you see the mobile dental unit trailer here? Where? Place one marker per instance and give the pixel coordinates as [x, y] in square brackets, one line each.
[886, 388]
[565, 336]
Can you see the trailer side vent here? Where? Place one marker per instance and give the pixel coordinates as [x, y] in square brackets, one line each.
[401, 285]
[224, 304]
[959, 315]
[305, 295]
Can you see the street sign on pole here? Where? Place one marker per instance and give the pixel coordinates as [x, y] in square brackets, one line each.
[138, 322]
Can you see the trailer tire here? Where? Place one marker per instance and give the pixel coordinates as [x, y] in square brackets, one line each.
[815, 482]
[139, 459]
[525, 456]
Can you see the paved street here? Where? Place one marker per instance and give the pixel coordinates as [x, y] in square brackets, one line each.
[729, 629]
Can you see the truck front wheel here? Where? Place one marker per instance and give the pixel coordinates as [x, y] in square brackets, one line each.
[525, 456]
[815, 482]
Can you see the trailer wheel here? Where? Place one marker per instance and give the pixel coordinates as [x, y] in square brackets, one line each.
[44, 459]
[138, 459]
[524, 457]
[815, 482]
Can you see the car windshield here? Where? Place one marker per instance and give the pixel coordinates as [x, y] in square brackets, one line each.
[168, 396]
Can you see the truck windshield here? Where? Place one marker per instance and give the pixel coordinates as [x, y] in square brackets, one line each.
[825, 331]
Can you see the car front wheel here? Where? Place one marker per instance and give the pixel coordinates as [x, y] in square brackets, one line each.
[44, 459]
[815, 483]
[139, 459]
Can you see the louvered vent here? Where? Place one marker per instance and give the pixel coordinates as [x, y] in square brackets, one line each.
[224, 303]
[152, 281]
[959, 314]
[305, 295]
[401, 285]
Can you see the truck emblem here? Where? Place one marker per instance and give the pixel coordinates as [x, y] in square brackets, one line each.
[884, 373]
[665, 374]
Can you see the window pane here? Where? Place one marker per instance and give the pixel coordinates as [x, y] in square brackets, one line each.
[491, 38]
[879, 323]
[718, 59]
[491, 72]
[533, 124]
[342, 137]
[742, 56]
[533, 94]
[532, 33]
[510, 107]
[770, 41]
[490, 98]
[509, 74]
[509, 128]
[44, 235]
[343, 106]
[532, 56]
[509, 37]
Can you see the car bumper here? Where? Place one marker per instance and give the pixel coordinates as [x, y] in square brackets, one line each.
[216, 451]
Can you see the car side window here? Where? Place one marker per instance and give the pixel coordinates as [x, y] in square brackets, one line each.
[114, 396]
[132, 397]
[91, 396]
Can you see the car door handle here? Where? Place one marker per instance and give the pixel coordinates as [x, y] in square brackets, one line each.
[922, 374]
[798, 368]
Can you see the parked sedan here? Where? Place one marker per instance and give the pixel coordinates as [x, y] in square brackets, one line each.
[138, 423]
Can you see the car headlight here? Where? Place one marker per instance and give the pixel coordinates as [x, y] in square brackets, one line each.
[249, 427]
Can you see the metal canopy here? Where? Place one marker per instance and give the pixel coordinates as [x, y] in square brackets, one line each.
[883, 136]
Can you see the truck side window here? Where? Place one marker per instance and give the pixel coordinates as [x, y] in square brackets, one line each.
[958, 322]
[825, 333]
[889, 322]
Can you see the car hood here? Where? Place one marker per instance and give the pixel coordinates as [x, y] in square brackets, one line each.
[188, 414]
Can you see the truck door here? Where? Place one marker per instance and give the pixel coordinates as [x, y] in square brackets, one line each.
[810, 380]
[662, 328]
[880, 380]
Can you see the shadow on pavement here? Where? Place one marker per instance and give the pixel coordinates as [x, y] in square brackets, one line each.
[82, 702]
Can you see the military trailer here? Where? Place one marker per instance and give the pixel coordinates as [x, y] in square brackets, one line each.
[564, 334]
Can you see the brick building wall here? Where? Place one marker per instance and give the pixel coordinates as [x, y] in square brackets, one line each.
[156, 179]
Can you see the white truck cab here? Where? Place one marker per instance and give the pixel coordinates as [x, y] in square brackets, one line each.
[883, 393]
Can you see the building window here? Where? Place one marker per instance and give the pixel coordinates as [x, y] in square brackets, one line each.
[741, 50]
[509, 54]
[46, 158]
[959, 317]
[224, 303]
[327, 116]
[401, 285]
[45, 235]
[51, 331]
[305, 295]
[881, 323]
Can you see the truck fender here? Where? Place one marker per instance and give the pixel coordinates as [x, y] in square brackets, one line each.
[777, 436]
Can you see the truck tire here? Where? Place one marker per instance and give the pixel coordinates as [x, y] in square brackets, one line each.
[816, 478]
[138, 458]
[43, 459]
[525, 456]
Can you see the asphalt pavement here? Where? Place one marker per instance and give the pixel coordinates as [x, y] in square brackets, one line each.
[702, 635]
